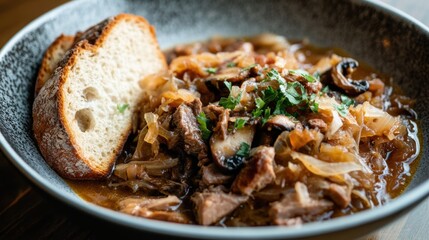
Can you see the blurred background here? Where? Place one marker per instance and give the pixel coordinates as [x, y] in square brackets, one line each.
[15, 14]
[27, 211]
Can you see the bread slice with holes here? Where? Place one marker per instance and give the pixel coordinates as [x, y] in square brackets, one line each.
[83, 114]
[53, 55]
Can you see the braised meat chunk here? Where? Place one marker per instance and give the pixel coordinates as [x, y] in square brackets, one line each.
[257, 173]
[154, 208]
[211, 175]
[187, 126]
[297, 206]
[211, 206]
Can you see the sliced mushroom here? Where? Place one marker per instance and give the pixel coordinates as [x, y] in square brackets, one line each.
[318, 123]
[280, 122]
[273, 127]
[233, 74]
[224, 150]
[341, 77]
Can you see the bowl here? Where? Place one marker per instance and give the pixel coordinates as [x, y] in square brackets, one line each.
[385, 38]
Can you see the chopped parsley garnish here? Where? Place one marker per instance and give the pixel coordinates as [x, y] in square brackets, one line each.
[259, 103]
[289, 90]
[204, 123]
[304, 74]
[244, 150]
[269, 94]
[347, 101]
[248, 67]
[280, 107]
[211, 70]
[228, 85]
[267, 114]
[230, 102]
[239, 123]
[231, 64]
[325, 89]
[122, 107]
[275, 75]
[341, 109]
[314, 106]
[276, 101]
[317, 75]
[259, 107]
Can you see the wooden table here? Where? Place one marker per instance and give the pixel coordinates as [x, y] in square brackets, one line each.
[27, 212]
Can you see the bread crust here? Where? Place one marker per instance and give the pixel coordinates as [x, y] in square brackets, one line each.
[62, 43]
[55, 138]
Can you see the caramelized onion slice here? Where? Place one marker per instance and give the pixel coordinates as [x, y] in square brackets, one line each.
[325, 169]
[155, 164]
[153, 128]
[380, 121]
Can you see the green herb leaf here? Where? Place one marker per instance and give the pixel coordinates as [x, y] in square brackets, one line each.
[325, 89]
[312, 104]
[231, 64]
[290, 96]
[275, 75]
[259, 107]
[304, 74]
[259, 103]
[269, 95]
[347, 101]
[211, 70]
[228, 85]
[239, 123]
[280, 107]
[287, 95]
[314, 107]
[341, 109]
[316, 75]
[248, 67]
[244, 150]
[267, 114]
[122, 107]
[230, 102]
[204, 123]
[290, 92]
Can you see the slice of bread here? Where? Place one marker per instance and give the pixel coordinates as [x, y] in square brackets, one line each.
[53, 55]
[83, 114]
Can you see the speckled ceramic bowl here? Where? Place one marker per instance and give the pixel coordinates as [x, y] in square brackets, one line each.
[383, 37]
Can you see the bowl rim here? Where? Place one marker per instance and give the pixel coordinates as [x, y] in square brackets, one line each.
[165, 228]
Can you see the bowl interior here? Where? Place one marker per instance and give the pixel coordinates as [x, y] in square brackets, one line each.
[385, 41]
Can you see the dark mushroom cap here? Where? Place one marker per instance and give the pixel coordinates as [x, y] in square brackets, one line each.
[341, 77]
[224, 149]
[280, 122]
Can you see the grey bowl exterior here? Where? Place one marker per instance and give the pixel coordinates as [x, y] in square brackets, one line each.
[386, 38]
